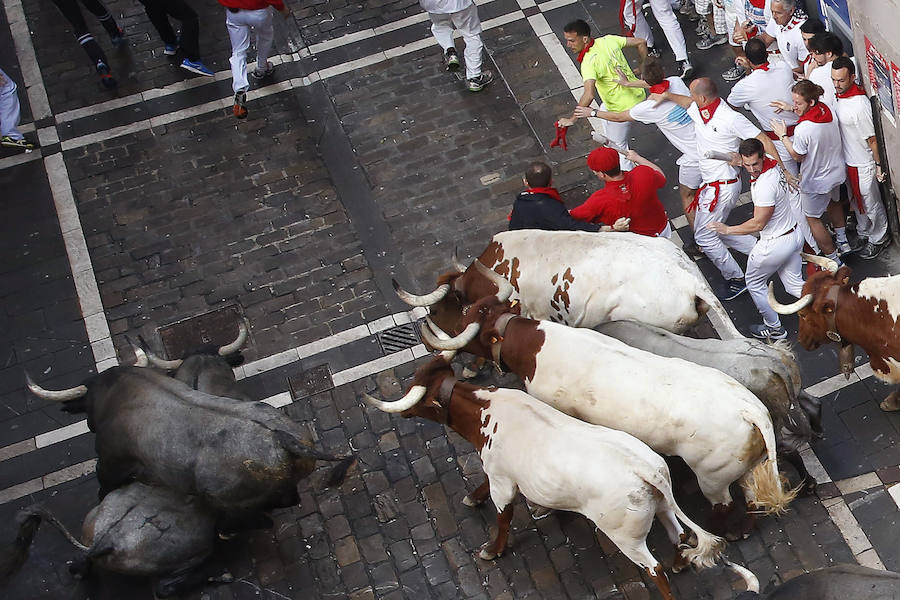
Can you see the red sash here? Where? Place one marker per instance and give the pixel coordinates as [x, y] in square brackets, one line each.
[855, 191]
[716, 185]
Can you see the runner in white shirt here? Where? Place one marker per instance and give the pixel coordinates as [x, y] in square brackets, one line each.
[784, 28]
[718, 128]
[634, 23]
[816, 145]
[811, 28]
[854, 113]
[780, 241]
[671, 119]
[824, 48]
[461, 15]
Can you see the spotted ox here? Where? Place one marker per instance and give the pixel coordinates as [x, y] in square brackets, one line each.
[559, 462]
[861, 314]
[720, 429]
[770, 371]
[581, 279]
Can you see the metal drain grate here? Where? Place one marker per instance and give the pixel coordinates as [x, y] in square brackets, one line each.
[398, 338]
[311, 382]
[216, 327]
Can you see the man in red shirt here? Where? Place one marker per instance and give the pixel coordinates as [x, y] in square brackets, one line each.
[629, 194]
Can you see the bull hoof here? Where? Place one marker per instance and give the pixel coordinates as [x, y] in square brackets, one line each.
[468, 373]
[469, 502]
[539, 512]
[486, 554]
[890, 403]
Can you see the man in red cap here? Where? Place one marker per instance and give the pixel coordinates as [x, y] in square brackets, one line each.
[630, 194]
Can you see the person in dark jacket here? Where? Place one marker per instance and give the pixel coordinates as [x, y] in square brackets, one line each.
[540, 207]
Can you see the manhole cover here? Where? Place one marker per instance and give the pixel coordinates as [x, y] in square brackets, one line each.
[398, 338]
[310, 382]
[218, 327]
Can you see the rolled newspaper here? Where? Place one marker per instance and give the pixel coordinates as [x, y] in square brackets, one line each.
[715, 155]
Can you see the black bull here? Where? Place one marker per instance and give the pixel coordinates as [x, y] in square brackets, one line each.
[840, 582]
[236, 456]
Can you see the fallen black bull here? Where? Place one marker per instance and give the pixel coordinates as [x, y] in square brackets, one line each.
[840, 582]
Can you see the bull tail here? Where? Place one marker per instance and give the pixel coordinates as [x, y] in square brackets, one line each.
[29, 519]
[709, 547]
[766, 485]
[339, 472]
[707, 303]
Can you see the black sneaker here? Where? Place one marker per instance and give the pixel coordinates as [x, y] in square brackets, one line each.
[767, 332]
[106, 78]
[734, 73]
[734, 288]
[476, 84]
[693, 250]
[654, 52]
[117, 38]
[452, 59]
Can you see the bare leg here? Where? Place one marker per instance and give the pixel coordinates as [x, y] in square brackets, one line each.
[479, 495]
[821, 235]
[836, 214]
[492, 550]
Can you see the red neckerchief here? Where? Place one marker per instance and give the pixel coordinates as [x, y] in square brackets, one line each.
[661, 87]
[854, 90]
[762, 67]
[585, 50]
[798, 18]
[707, 112]
[768, 163]
[817, 113]
[758, 3]
[545, 190]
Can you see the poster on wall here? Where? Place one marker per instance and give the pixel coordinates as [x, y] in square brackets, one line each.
[881, 81]
[895, 77]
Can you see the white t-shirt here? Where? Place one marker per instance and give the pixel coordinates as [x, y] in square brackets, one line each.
[724, 133]
[822, 76]
[771, 189]
[444, 7]
[760, 88]
[790, 40]
[855, 117]
[672, 120]
[823, 167]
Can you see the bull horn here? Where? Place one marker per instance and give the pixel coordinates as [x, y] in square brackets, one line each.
[441, 335]
[412, 397]
[788, 309]
[458, 264]
[140, 357]
[56, 395]
[505, 287]
[238, 343]
[161, 363]
[449, 343]
[427, 300]
[823, 261]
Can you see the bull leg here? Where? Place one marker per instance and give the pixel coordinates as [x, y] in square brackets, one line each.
[662, 582]
[189, 578]
[474, 367]
[492, 550]
[718, 524]
[479, 495]
[892, 402]
[676, 535]
[794, 459]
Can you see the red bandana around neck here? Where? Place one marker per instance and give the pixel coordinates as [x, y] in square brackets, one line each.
[550, 191]
[707, 112]
[818, 113]
[661, 87]
[585, 50]
[768, 163]
[854, 90]
[762, 67]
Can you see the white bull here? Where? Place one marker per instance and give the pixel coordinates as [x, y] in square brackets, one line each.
[583, 279]
[720, 429]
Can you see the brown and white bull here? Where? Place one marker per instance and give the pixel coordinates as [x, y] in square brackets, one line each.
[721, 430]
[864, 314]
[582, 279]
[559, 462]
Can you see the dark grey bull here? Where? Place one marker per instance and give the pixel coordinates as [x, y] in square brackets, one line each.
[840, 582]
[769, 371]
[238, 457]
[136, 530]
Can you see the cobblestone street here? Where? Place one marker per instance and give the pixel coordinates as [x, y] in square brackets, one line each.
[362, 160]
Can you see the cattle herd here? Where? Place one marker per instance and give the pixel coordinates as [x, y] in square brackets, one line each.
[610, 386]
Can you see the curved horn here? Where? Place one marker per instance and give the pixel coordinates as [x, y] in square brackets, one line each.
[56, 395]
[426, 300]
[441, 335]
[506, 288]
[458, 265]
[412, 397]
[450, 343]
[824, 262]
[161, 363]
[788, 309]
[140, 357]
[238, 343]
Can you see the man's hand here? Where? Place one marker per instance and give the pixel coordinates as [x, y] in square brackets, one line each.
[778, 126]
[880, 175]
[634, 156]
[622, 224]
[720, 228]
[657, 98]
[793, 181]
[781, 106]
[743, 62]
[736, 160]
[581, 112]
[565, 121]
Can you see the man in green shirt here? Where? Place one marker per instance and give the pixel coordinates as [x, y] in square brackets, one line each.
[601, 60]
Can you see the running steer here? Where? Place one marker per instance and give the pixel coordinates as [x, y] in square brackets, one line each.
[137, 530]
[863, 314]
[581, 279]
[720, 429]
[610, 477]
[238, 456]
[840, 582]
